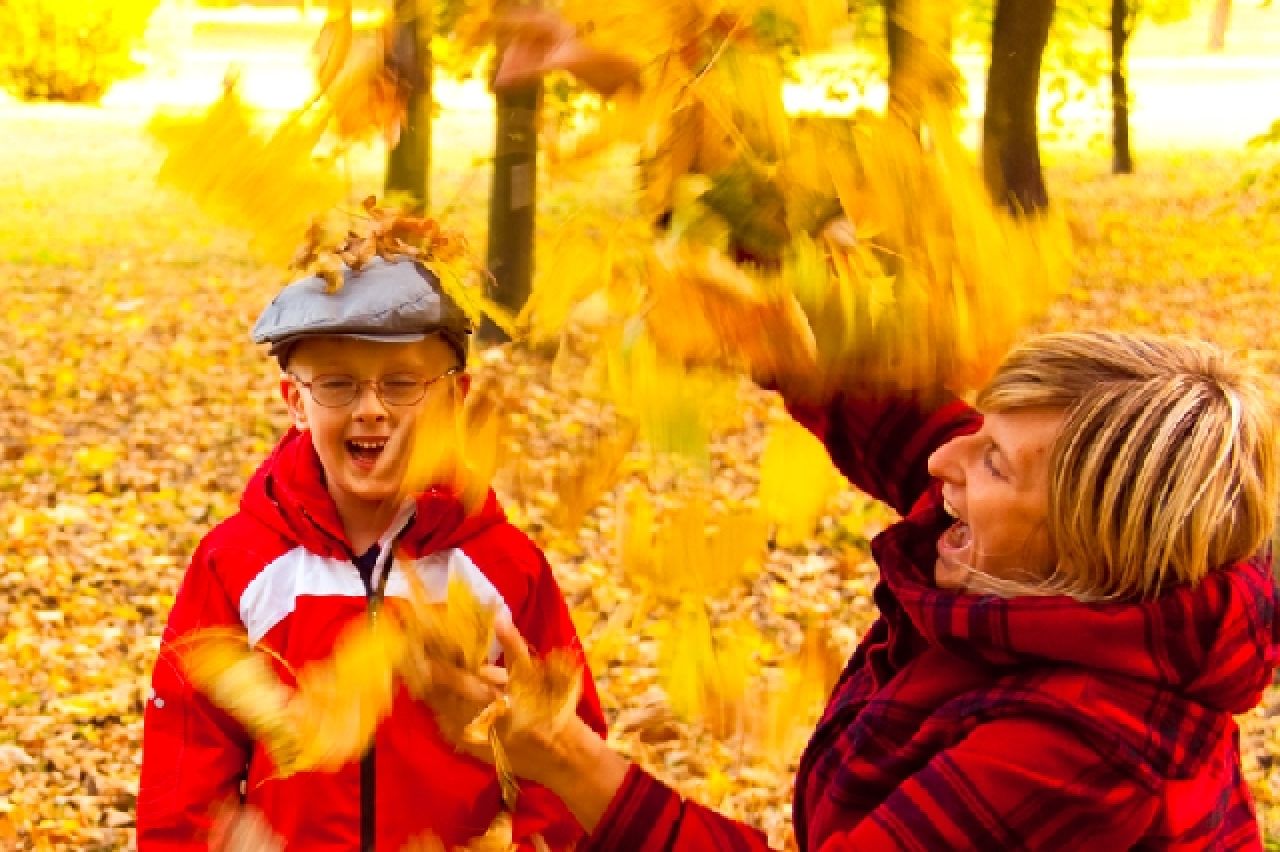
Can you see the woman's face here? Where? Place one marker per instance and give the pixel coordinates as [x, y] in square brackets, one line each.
[995, 483]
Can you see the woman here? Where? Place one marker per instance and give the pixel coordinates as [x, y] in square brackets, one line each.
[1075, 603]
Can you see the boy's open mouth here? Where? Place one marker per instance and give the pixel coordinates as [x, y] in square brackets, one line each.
[365, 451]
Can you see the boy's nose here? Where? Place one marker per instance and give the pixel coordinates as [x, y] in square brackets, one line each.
[368, 404]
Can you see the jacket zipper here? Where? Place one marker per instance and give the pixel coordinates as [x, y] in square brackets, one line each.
[368, 763]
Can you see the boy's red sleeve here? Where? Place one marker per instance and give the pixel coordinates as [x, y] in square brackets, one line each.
[193, 754]
[545, 624]
[882, 444]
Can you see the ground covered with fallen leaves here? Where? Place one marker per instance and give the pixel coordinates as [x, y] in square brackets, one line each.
[134, 409]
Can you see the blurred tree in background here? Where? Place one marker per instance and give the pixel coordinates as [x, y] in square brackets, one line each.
[55, 50]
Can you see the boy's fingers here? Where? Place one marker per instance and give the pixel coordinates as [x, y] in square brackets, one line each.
[513, 644]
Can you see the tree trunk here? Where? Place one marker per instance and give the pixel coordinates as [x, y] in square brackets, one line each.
[918, 37]
[895, 40]
[512, 199]
[1122, 159]
[1010, 135]
[1218, 23]
[409, 160]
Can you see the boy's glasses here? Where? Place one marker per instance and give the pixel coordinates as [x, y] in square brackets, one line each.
[392, 389]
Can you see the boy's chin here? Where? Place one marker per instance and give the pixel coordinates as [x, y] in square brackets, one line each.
[366, 489]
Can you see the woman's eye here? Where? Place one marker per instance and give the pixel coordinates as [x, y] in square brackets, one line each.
[335, 383]
[399, 383]
[989, 458]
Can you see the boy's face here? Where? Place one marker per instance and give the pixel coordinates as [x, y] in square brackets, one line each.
[364, 444]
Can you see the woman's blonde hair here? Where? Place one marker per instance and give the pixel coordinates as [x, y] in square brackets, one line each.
[1165, 467]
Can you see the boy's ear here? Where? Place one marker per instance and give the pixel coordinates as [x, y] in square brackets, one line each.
[293, 399]
[464, 385]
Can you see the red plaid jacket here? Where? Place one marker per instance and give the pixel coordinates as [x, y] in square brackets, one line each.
[971, 722]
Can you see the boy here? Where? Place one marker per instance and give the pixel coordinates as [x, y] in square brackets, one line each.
[310, 551]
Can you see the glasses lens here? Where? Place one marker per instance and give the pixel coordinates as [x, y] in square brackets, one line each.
[334, 391]
[400, 390]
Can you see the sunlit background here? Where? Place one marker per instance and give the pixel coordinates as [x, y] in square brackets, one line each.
[133, 407]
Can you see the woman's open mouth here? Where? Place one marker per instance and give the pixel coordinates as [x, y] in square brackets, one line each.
[955, 545]
[364, 452]
[957, 537]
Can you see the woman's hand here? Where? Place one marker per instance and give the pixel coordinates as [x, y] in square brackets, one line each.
[570, 759]
[539, 41]
[241, 828]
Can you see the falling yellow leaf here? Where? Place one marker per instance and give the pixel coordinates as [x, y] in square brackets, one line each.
[271, 187]
[458, 631]
[239, 680]
[797, 480]
[792, 702]
[328, 719]
[581, 483]
[544, 691]
[705, 309]
[455, 446]
[341, 700]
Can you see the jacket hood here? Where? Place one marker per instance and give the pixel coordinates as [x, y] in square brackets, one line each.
[1216, 644]
[288, 494]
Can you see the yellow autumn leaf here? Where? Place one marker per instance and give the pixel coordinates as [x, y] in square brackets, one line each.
[581, 482]
[340, 700]
[270, 186]
[497, 838]
[544, 691]
[792, 702]
[324, 722]
[457, 631]
[455, 446]
[236, 678]
[797, 480]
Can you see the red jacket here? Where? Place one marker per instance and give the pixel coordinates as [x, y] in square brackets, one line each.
[974, 722]
[282, 568]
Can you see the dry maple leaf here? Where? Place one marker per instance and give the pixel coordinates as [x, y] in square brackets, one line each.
[705, 309]
[271, 186]
[324, 722]
[458, 632]
[797, 480]
[333, 44]
[221, 664]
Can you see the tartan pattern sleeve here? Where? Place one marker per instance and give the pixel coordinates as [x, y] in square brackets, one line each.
[648, 816]
[1017, 783]
[882, 444]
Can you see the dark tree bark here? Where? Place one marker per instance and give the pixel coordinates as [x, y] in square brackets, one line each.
[895, 38]
[512, 198]
[1010, 132]
[1218, 23]
[1121, 29]
[918, 38]
[409, 161]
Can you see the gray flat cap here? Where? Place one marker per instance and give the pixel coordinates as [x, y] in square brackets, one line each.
[400, 302]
